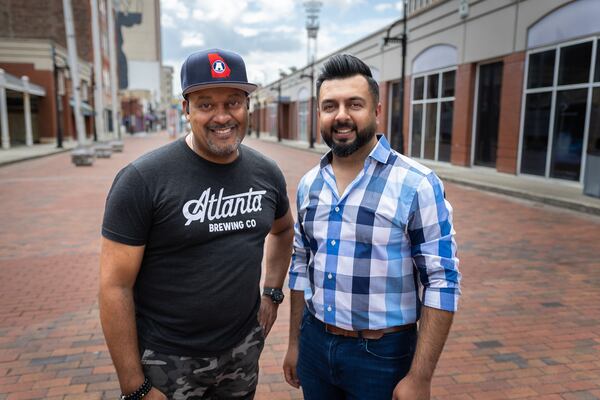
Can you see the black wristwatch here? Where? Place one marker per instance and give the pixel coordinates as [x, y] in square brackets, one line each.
[143, 390]
[275, 294]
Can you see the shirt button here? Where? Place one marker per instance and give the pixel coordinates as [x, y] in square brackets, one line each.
[329, 308]
[337, 209]
[330, 276]
[333, 242]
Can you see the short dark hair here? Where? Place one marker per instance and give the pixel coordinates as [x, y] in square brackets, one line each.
[342, 66]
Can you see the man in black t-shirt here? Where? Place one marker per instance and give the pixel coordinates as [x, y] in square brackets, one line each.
[183, 237]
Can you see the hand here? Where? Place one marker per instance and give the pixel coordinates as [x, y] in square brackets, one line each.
[267, 314]
[155, 394]
[410, 388]
[289, 366]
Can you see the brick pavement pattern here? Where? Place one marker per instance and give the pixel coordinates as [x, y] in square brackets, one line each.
[528, 324]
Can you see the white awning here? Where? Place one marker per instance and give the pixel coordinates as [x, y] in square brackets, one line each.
[85, 107]
[16, 84]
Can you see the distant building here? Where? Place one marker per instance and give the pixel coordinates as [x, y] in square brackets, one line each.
[508, 85]
[140, 63]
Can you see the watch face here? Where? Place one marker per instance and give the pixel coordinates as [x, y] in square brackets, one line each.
[277, 297]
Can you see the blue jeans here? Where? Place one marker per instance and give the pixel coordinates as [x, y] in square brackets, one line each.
[334, 367]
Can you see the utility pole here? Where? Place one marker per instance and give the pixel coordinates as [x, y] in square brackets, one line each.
[59, 132]
[312, 8]
[279, 110]
[98, 100]
[82, 155]
[103, 149]
[397, 141]
[117, 143]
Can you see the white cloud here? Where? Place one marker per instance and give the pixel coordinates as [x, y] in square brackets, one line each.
[224, 11]
[263, 67]
[344, 4]
[246, 32]
[269, 11]
[167, 21]
[192, 40]
[383, 7]
[400, 6]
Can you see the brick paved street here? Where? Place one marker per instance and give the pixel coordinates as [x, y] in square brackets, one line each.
[528, 327]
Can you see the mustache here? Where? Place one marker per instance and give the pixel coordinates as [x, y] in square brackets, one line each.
[223, 126]
[342, 125]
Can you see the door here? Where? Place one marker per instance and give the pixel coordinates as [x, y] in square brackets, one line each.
[488, 114]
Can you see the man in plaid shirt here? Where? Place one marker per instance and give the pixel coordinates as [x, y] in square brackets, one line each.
[374, 252]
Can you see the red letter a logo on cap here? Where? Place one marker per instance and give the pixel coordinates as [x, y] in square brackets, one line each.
[218, 66]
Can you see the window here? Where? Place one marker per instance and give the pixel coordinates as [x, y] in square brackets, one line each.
[541, 67]
[432, 108]
[575, 64]
[597, 68]
[594, 136]
[559, 82]
[535, 139]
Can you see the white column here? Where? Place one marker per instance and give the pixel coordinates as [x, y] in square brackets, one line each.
[27, 108]
[4, 112]
[74, 70]
[114, 83]
[98, 95]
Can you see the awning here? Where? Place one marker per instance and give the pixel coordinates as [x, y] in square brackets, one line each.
[16, 84]
[85, 107]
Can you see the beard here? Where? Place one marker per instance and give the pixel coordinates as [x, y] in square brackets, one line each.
[222, 150]
[344, 149]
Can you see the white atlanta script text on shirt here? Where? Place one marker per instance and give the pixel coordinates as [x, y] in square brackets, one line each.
[211, 207]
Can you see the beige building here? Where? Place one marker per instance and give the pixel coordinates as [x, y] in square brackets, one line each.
[140, 61]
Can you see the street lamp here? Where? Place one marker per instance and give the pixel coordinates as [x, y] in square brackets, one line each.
[59, 131]
[397, 142]
[279, 111]
[312, 8]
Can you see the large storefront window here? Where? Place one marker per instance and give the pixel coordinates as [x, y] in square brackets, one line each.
[561, 108]
[432, 109]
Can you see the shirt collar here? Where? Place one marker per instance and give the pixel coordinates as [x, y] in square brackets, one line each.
[381, 152]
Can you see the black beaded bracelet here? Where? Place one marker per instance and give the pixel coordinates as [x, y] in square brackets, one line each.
[140, 392]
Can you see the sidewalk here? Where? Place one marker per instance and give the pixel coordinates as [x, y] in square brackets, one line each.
[23, 153]
[557, 193]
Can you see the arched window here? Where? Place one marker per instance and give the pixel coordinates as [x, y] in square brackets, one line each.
[574, 20]
[435, 57]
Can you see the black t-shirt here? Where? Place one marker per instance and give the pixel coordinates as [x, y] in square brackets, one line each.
[204, 226]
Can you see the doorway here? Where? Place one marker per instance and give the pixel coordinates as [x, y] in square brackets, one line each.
[488, 114]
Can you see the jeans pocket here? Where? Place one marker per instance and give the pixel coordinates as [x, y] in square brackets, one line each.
[392, 346]
[306, 319]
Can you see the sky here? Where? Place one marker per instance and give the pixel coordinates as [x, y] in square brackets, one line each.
[269, 34]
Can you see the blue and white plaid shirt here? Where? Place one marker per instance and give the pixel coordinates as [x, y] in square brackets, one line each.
[358, 257]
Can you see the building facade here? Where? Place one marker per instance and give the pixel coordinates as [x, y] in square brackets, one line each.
[33, 44]
[512, 85]
[140, 63]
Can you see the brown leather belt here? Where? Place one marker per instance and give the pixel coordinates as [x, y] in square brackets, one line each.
[368, 333]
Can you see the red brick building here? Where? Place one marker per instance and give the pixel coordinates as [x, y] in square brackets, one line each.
[33, 44]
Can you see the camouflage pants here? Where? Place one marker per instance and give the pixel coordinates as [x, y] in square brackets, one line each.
[231, 375]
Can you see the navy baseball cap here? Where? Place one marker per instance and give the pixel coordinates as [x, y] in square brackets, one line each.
[214, 68]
